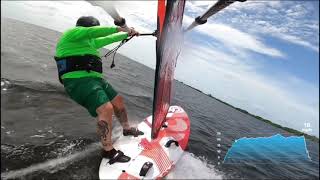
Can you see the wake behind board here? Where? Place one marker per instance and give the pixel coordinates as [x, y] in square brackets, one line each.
[163, 152]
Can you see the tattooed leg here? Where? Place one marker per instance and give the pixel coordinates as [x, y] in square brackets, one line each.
[120, 112]
[103, 131]
[104, 125]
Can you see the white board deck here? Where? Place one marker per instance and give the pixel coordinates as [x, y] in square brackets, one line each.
[163, 158]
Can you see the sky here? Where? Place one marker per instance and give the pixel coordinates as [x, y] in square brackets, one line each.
[261, 56]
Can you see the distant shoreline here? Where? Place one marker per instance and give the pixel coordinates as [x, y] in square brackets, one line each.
[293, 131]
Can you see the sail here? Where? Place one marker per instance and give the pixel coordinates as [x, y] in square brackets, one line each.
[168, 46]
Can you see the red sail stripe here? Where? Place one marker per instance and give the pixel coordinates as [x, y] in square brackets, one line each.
[161, 14]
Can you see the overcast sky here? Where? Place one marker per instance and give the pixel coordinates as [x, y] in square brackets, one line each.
[262, 56]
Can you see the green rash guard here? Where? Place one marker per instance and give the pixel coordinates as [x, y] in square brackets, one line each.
[86, 41]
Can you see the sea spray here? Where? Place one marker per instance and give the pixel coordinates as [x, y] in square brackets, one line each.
[192, 167]
[52, 165]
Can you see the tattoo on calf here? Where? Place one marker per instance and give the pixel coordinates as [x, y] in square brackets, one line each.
[103, 129]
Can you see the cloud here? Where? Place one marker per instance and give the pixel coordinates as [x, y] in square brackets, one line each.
[56, 15]
[295, 23]
[286, 99]
[296, 40]
[237, 39]
[196, 7]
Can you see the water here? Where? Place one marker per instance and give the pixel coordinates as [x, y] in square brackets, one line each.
[46, 135]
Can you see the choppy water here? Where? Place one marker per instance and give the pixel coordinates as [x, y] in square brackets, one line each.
[46, 135]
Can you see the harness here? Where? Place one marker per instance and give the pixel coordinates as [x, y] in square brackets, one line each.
[78, 63]
[88, 62]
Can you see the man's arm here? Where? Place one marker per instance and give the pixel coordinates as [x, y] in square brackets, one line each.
[103, 41]
[82, 33]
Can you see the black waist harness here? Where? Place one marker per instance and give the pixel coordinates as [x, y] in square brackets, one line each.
[78, 63]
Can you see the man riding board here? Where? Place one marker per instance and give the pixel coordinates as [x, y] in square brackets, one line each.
[80, 71]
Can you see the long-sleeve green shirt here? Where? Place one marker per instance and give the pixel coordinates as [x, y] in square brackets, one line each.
[86, 41]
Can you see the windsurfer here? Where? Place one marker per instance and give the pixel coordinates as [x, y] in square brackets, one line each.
[80, 71]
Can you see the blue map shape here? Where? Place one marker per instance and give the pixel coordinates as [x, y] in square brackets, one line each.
[274, 149]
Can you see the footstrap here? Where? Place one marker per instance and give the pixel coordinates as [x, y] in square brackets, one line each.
[133, 132]
[119, 157]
